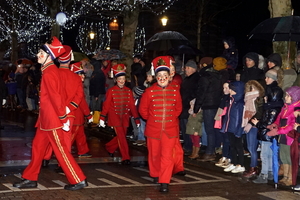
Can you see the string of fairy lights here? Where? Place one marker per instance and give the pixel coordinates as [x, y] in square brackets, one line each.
[32, 23]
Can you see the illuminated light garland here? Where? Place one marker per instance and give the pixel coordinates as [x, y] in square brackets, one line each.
[32, 23]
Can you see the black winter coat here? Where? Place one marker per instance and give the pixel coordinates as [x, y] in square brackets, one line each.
[188, 91]
[210, 90]
[271, 110]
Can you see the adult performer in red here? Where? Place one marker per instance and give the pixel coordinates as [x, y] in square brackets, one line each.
[80, 113]
[117, 108]
[51, 124]
[72, 95]
[175, 81]
[161, 105]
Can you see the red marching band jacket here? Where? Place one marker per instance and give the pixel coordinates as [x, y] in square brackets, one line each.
[82, 111]
[161, 108]
[118, 107]
[51, 101]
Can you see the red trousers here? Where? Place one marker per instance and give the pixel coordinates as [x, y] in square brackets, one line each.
[61, 150]
[67, 139]
[79, 137]
[161, 157]
[178, 157]
[119, 141]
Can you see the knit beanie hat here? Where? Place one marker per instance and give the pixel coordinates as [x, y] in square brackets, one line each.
[220, 63]
[272, 73]
[191, 64]
[294, 92]
[206, 61]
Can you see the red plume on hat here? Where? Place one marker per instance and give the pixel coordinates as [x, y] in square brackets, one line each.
[119, 70]
[162, 63]
[54, 48]
[76, 67]
[67, 56]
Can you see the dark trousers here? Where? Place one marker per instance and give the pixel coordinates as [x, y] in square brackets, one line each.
[236, 149]
[212, 133]
[188, 145]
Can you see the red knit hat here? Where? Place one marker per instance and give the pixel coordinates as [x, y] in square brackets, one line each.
[119, 70]
[162, 63]
[76, 68]
[53, 47]
[67, 56]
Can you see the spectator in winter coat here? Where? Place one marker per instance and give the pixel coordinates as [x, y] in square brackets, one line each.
[233, 126]
[251, 70]
[209, 94]
[188, 91]
[230, 53]
[272, 106]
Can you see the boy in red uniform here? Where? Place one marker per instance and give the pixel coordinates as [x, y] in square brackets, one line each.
[80, 113]
[160, 106]
[51, 124]
[117, 107]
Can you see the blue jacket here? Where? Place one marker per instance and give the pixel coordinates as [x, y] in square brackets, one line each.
[233, 119]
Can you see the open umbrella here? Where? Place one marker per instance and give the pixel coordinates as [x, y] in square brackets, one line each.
[165, 40]
[184, 50]
[111, 54]
[275, 166]
[278, 29]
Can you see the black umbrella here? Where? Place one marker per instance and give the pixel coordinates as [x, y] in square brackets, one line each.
[184, 50]
[278, 29]
[165, 40]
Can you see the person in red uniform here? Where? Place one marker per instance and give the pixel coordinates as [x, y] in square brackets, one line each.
[80, 113]
[117, 108]
[175, 81]
[72, 95]
[51, 124]
[161, 105]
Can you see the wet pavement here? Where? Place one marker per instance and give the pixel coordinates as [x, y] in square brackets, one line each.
[108, 179]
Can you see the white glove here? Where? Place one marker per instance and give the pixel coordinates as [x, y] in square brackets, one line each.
[3, 102]
[138, 125]
[67, 110]
[66, 126]
[102, 123]
[90, 120]
[247, 128]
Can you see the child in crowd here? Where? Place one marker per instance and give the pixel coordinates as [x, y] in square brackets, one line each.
[11, 85]
[254, 94]
[193, 128]
[225, 160]
[149, 80]
[271, 108]
[233, 126]
[282, 126]
[297, 130]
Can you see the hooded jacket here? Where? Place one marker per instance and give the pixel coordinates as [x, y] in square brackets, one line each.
[271, 109]
[252, 73]
[233, 119]
[231, 54]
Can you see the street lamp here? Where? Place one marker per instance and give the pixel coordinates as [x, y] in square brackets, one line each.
[92, 35]
[164, 21]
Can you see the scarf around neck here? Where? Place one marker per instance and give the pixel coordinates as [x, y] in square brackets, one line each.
[249, 107]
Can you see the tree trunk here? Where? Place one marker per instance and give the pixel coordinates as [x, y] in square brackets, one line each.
[287, 49]
[127, 42]
[14, 47]
[55, 29]
[199, 24]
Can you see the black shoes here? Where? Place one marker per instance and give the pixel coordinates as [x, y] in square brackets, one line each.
[164, 187]
[155, 180]
[25, 184]
[77, 186]
[181, 173]
[126, 162]
[45, 163]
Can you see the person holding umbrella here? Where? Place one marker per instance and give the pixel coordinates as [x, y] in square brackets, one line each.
[283, 125]
[271, 108]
